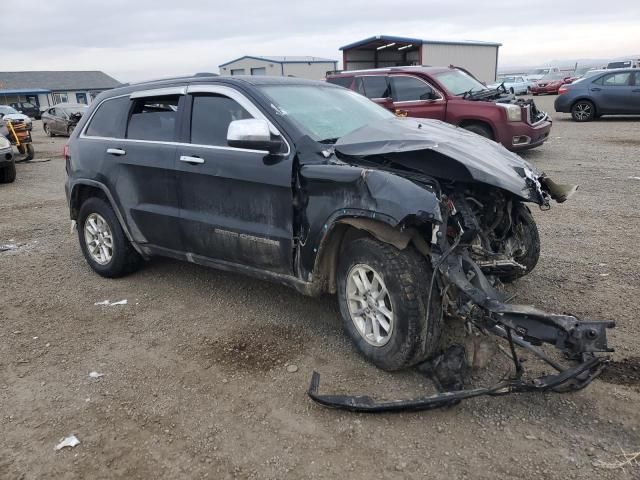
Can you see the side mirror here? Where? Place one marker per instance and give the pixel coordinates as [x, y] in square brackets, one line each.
[253, 134]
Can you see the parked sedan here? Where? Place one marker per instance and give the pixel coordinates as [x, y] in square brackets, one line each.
[550, 83]
[62, 119]
[10, 113]
[516, 85]
[608, 93]
[27, 108]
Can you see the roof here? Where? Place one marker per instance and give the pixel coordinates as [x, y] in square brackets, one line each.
[23, 91]
[57, 80]
[390, 38]
[287, 59]
[408, 69]
[221, 80]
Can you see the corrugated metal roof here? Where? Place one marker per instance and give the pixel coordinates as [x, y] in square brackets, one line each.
[57, 80]
[391, 38]
[284, 59]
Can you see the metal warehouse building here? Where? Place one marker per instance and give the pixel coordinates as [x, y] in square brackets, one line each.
[480, 58]
[313, 68]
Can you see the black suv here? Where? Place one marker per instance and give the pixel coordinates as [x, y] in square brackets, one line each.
[28, 108]
[312, 185]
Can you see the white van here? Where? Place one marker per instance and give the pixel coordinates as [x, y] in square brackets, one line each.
[623, 64]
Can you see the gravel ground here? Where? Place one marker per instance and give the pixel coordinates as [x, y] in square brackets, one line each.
[195, 378]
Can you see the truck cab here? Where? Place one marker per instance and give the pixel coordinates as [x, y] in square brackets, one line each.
[454, 96]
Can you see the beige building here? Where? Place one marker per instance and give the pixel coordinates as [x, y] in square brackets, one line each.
[313, 68]
[479, 58]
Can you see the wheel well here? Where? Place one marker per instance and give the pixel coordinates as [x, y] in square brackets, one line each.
[80, 194]
[466, 123]
[347, 230]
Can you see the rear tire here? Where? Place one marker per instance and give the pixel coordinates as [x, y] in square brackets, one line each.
[527, 231]
[8, 173]
[122, 257]
[405, 276]
[583, 111]
[480, 129]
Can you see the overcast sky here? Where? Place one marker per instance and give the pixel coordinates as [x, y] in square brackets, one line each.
[138, 39]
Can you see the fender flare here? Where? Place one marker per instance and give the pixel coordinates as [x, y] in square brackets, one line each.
[73, 189]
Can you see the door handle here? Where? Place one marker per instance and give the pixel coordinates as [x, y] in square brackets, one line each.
[636, 90]
[595, 89]
[191, 160]
[116, 151]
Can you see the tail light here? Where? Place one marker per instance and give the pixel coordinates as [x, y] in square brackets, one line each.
[67, 158]
[562, 90]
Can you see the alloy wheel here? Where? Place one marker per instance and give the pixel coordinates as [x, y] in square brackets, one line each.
[98, 238]
[370, 306]
[583, 111]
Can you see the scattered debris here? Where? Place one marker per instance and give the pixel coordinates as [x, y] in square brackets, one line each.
[96, 375]
[447, 370]
[71, 441]
[292, 368]
[109, 303]
[633, 178]
[628, 460]
[8, 246]
[604, 274]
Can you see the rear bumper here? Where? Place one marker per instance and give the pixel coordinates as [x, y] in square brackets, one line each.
[547, 89]
[519, 136]
[563, 103]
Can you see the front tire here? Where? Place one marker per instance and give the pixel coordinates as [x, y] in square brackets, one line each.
[8, 173]
[382, 293]
[47, 130]
[583, 111]
[103, 242]
[479, 129]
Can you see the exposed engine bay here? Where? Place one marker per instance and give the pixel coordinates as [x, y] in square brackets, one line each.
[484, 235]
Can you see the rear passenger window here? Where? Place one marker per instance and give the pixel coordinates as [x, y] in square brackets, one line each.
[376, 87]
[617, 79]
[211, 116]
[154, 118]
[408, 89]
[110, 119]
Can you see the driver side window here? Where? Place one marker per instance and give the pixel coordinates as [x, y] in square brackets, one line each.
[211, 115]
[411, 89]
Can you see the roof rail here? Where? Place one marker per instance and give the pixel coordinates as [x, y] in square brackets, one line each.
[168, 79]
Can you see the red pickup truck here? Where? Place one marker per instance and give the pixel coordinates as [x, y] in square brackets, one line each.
[454, 96]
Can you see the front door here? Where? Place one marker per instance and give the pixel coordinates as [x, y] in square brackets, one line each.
[236, 204]
[413, 97]
[616, 93]
[635, 94]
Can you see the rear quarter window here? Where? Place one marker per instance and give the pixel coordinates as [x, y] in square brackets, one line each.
[110, 119]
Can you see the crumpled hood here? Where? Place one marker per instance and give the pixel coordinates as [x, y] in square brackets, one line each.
[443, 151]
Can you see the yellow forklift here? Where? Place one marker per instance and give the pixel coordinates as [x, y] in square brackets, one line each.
[19, 136]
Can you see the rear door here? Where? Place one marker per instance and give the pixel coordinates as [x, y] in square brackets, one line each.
[134, 138]
[236, 205]
[414, 97]
[614, 93]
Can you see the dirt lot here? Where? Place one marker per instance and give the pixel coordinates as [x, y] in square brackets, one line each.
[195, 381]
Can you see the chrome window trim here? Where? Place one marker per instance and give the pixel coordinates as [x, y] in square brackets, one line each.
[223, 90]
[159, 92]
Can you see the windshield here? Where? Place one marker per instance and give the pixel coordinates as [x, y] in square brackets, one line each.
[4, 110]
[552, 76]
[459, 82]
[324, 113]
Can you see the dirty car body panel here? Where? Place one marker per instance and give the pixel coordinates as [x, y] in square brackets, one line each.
[332, 166]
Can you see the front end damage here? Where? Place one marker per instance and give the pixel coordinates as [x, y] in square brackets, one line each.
[471, 247]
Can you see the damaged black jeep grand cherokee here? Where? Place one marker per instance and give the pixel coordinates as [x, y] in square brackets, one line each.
[317, 187]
